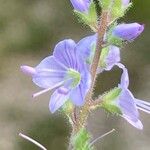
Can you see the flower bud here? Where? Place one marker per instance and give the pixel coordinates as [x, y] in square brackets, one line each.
[128, 31]
[81, 5]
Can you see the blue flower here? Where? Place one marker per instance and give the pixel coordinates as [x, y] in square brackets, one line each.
[128, 104]
[65, 73]
[128, 31]
[81, 5]
[110, 55]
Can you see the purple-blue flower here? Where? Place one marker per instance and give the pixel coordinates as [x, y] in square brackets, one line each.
[128, 31]
[110, 55]
[128, 104]
[65, 73]
[81, 5]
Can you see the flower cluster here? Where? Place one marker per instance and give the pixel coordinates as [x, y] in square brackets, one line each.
[67, 72]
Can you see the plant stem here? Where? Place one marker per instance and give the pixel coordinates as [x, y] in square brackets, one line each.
[99, 45]
[84, 111]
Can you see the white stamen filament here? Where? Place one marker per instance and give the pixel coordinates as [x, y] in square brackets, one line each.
[48, 89]
[143, 106]
[142, 102]
[32, 141]
[140, 108]
[102, 136]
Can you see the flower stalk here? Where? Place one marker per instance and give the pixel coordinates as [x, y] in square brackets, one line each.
[84, 111]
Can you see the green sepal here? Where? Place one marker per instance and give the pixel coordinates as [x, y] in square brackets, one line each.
[68, 107]
[109, 101]
[111, 39]
[105, 4]
[118, 10]
[89, 18]
[104, 54]
[81, 140]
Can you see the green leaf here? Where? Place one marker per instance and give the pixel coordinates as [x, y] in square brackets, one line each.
[81, 141]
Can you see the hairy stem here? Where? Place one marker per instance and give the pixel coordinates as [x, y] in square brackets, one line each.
[99, 45]
[84, 111]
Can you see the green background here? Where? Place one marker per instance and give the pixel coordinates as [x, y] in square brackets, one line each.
[29, 30]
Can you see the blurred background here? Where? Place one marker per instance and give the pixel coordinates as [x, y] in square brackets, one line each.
[29, 30]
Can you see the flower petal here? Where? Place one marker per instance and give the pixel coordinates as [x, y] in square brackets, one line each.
[78, 94]
[85, 46]
[49, 72]
[58, 98]
[113, 57]
[124, 77]
[128, 31]
[138, 124]
[81, 5]
[128, 107]
[64, 52]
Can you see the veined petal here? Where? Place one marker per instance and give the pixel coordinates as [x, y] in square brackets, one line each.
[78, 94]
[64, 52]
[85, 47]
[128, 107]
[137, 124]
[49, 72]
[58, 98]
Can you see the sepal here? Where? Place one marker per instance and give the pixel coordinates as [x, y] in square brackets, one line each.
[109, 101]
[81, 140]
[89, 18]
[111, 39]
[119, 10]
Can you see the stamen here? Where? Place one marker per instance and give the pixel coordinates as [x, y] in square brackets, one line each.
[48, 89]
[147, 111]
[32, 141]
[28, 70]
[142, 102]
